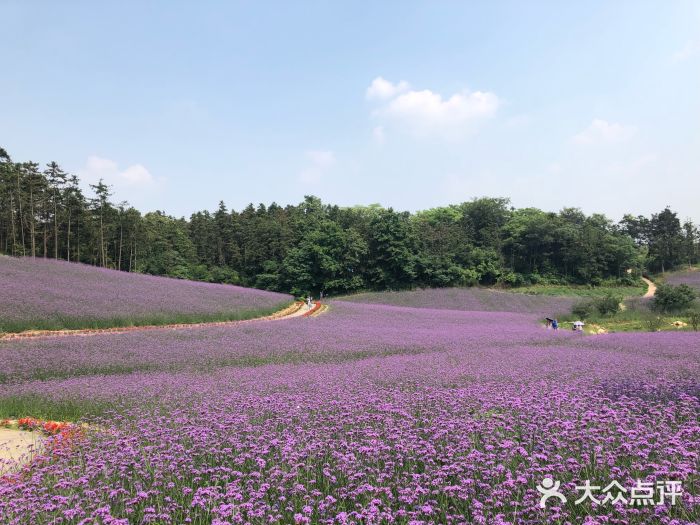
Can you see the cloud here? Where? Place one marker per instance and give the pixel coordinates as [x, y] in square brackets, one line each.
[97, 168]
[427, 113]
[134, 184]
[604, 132]
[318, 162]
[381, 89]
[428, 108]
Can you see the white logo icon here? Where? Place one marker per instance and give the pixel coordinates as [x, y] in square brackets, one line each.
[550, 489]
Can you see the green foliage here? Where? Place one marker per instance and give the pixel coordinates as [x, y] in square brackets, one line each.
[609, 304]
[313, 247]
[326, 259]
[393, 260]
[583, 310]
[605, 305]
[669, 298]
[694, 319]
[653, 323]
[579, 290]
[17, 406]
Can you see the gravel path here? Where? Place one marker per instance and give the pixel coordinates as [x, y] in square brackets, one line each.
[651, 288]
[17, 447]
[295, 310]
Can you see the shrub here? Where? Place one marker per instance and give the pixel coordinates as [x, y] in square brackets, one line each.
[673, 298]
[694, 318]
[609, 304]
[583, 310]
[653, 323]
[508, 278]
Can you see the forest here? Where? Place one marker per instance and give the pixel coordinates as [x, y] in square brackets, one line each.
[314, 246]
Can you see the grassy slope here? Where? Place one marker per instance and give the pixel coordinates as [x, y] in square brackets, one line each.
[38, 294]
[688, 275]
[59, 322]
[581, 290]
[637, 314]
[475, 299]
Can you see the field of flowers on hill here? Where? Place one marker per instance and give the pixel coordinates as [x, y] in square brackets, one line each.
[48, 294]
[689, 277]
[470, 299]
[369, 414]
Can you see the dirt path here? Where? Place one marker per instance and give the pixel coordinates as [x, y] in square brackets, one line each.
[17, 448]
[294, 310]
[651, 288]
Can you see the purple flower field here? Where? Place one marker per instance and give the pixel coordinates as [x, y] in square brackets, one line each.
[471, 299]
[368, 413]
[39, 293]
[689, 277]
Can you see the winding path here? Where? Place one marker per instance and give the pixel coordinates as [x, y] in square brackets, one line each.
[651, 288]
[17, 447]
[297, 309]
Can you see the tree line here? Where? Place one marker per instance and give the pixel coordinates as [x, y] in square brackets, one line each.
[313, 247]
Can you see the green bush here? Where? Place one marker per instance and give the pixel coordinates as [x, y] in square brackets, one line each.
[609, 304]
[509, 278]
[694, 318]
[669, 298]
[584, 309]
[653, 323]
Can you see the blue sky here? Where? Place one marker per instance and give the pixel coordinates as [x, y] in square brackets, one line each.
[410, 104]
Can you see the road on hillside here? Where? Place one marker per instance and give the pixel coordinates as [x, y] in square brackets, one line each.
[651, 288]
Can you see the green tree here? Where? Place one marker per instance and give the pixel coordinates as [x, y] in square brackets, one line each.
[327, 259]
[666, 240]
[57, 180]
[101, 208]
[392, 251]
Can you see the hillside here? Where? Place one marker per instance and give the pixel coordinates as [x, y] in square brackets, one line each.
[470, 299]
[48, 294]
[689, 277]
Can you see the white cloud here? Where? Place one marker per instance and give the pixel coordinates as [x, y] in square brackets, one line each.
[428, 108]
[134, 183]
[318, 163]
[381, 89]
[602, 131]
[379, 135]
[97, 168]
[137, 175]
[426, 112]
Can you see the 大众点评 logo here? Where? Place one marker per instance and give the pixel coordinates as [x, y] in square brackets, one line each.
[643, 493]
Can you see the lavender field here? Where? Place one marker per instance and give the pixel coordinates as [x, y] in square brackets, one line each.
[689, 277]
[470, 299]
[369, 413]
[46, 294]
